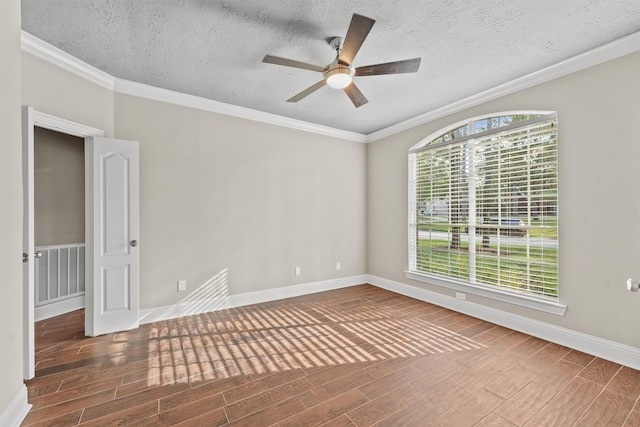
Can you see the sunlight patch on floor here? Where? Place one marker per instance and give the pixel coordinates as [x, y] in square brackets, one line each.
[260, 340]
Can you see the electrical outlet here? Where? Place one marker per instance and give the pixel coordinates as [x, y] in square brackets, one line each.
[297, 271]
[182, 285]
[461, 296]
[338, 266]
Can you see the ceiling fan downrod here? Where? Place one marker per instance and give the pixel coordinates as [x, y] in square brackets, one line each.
[336, 43]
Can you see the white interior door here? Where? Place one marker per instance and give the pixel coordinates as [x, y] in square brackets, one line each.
[111, 293]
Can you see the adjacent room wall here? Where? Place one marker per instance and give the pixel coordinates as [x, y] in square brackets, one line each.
[599, 211]
[12, 390]
[234, 206]
[58, 188]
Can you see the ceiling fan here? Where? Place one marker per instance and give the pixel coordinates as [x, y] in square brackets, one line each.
[339, 73]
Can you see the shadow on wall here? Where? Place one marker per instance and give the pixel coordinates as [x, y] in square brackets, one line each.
[212, 295]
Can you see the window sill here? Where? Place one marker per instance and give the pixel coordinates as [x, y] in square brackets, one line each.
[495, 294]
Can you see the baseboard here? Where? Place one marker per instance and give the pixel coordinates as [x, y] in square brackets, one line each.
[189, 308]
[605, 349]
[59, 307]
[17, 410]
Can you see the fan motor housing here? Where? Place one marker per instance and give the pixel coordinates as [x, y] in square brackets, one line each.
[336, 43]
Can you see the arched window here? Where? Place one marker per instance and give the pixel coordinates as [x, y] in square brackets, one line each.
[483, 205]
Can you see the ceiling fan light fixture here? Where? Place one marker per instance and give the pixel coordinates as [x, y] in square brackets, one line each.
[339, 77]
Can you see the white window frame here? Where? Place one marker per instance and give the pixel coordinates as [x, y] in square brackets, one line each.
[539, 303]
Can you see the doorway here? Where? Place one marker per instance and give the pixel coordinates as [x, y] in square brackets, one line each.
[59, 212]
[32, 121]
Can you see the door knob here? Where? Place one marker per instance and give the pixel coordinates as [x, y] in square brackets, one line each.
[133, 243]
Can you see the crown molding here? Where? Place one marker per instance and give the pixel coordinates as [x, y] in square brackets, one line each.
[43, 50]
[127, 87]
[62, 59]
[599, 55]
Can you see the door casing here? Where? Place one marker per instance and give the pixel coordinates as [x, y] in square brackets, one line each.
[32, 118]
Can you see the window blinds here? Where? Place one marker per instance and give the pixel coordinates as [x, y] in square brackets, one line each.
[484, 207]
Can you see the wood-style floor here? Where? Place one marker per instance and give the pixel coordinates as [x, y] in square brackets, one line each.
[358, 356]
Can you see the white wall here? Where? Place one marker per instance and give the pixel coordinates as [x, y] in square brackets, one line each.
[224, 194]
[599, 154]
[10, 213]
[52, 90]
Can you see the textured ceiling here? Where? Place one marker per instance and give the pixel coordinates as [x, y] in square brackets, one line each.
[214, 48]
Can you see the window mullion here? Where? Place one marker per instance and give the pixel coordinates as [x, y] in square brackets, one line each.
[413, 220]
[528, 234]
[471, 234]
[499, 207]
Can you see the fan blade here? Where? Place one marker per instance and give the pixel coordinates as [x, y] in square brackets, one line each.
[355, 95]
[307, 91]
[270, 59]
[397, 67]
[358, 30]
